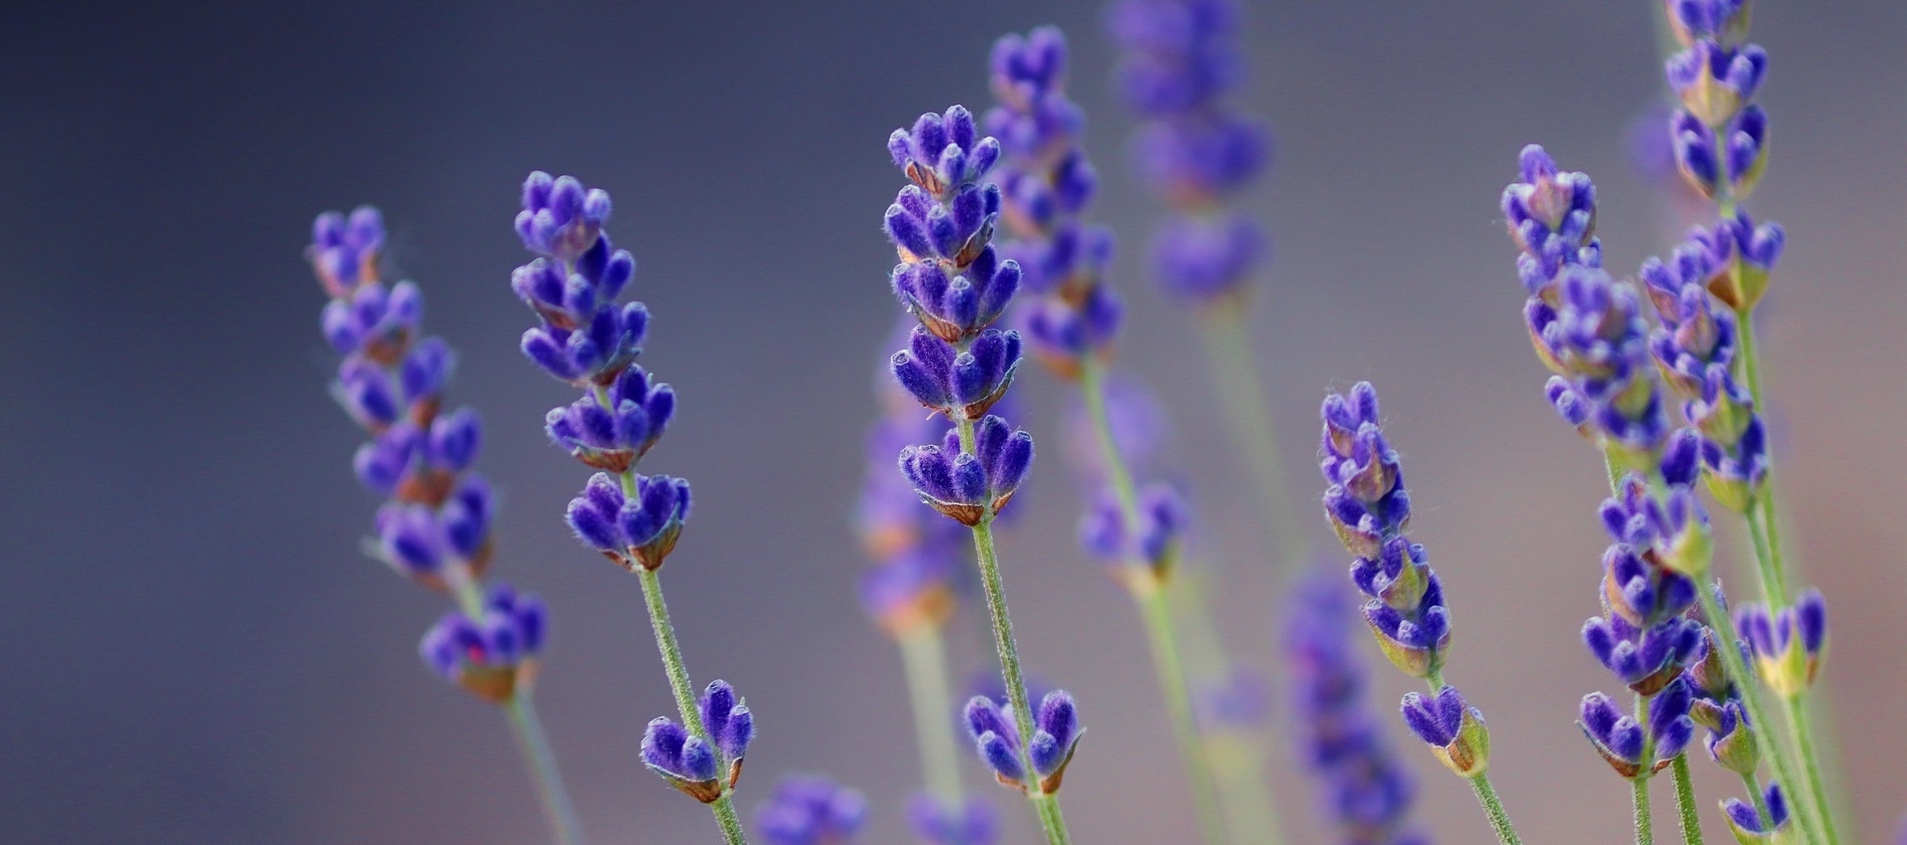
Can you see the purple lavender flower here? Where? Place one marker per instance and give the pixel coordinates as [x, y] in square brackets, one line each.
[494, 655]
[1370, 510]
[344, 252]
[1644, 659]
[690, 762]
[1364, 787]
[1720, 139]
[1154, 541]
[614, 432]
[1788, 644]
[1453, 730]
[970, 486]
[974, 822]
[1179, 60]
[1748, 253]
[811, 810]
[637, 530]
[950, 276]
[910, 589]
[1670, 532]
[1056, 732]
[585, 337]
[1748, 825]
[1622, 741]
[959, 384]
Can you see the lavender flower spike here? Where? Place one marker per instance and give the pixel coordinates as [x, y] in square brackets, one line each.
[970, 486]
[811, 810]
[494, 655]
[691, 763]
[1056, 734]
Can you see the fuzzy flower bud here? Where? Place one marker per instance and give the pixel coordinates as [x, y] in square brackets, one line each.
[493, 656]
[811, 810]
[1454, 731]
[1056, 733]
[970, 486]
[638, 530]
[1622, 741]
[1751, 829]
[1789, 644]
[694, 764]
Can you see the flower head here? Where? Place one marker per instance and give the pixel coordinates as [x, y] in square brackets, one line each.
[1453, 730]
[344, 251]
[1750, 828]
[613, 432]
[1622, 741]
[585, 337]
[632, 529]
[970, 485]
[974, 822]
[811, 810]
[691, 762]
[1056, 732]
[959, 384]
[1788, 644]
[492, 656]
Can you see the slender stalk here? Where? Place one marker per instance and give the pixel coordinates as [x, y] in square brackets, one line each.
[1737, 671]
[1804, 742]
[925, 657]
[678, 671]
[557, 808]
[1493, 807]
[1155, 607]
[1690, 821]
[545, 775]
[724, 808]
[1157, 610]
[1753, 785]
[1241, 396]
[1645, 827]
[1052, 823]
[1761, 519]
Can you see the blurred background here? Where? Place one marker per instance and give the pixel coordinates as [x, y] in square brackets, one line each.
[196, 652]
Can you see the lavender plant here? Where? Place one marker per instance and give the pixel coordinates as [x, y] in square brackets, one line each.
[434, 527]
[1369, 509]
[589, 341]
[956, 285]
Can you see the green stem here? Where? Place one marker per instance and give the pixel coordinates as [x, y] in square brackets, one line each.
[1690, 821]
[1157, 610]
[1804, 742]
[1753, 785]
[545, 775]
[1737, 670]
[925, 657]
[678, 671]
[1761, 518]
[724, 808]
[1639, 795]
[1493, 807]
[557, 809]
[1046, 806]
[1241, 397]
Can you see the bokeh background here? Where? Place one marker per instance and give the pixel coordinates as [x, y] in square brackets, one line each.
[195, 652]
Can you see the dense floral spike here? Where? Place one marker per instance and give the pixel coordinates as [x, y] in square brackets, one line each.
[1788, 644]
[959, 384]
[974, 822]
[344, 252]
[634, 531]
[1179, 60]
[1670, 532]
[585, 337]
[702, 768]
[493, 656]
[1751, 829]
[1364, 787]
[1645, 659]
[1622, 741]
[1370, 510]
[1453, 730]
[1056, 735]
[811, 810]
[613, 432]
[950, 276]
[970, 486]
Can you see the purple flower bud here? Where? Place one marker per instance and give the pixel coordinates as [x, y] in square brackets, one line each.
[651, 520]
[685, 761]
[484, 655]
[1204, 259]
[454, 440]
[941, 153]
[1646, 660]
[411, 539]
[730, 725]
[973, 823]
[1452, 729]
[1056, 732]
[1788, 644]
[811, 810]
[1621, 740]
[971, 486]
[1748, 825]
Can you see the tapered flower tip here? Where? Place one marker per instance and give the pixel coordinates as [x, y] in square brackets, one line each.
[730, 724]
[1811, 616]
[1056, 738]
[983, 715]
[593, 516]
[685, 761]
[811, 810]
[651, 521]
[411, 539]
[455, 439]
[938, 823]
[1748, 825]
[1435, 720]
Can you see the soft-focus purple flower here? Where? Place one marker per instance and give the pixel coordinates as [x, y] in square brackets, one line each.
[1056, 732]
[344, 251]
[974, 822]
[1788, 644]
[911, 588]
[1152, 544]
[811, 810]
[491, 655]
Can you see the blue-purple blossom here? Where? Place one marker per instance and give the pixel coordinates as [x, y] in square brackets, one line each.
[1747, 824]
[632, 530]
[1622, 741]
[344, 252]
[691, 762]
[613, 432]
[1363, 786]
[973, 822]
[1453, 729]
[1370, 510]
[970, 486]
[585, 337]
[1056, 732]
[1552, 218]
[1644, 659]
[1788, 644]
[373, 319]
[911, 588]
[1153, 543]
[811, 810]
[959, 384]
[491, 656]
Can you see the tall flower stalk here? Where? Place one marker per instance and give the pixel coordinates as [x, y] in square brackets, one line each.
[588, 340]
[1071, 318]
[1720, 140]
[1198, 152]
[910, 593]
[434, 527]
[956, 285]
[1369, 509]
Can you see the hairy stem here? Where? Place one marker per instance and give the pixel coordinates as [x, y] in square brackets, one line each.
[1241, 397]
[925, 656]
[557, 808]
[1639, 795]
[671, 650]
[1493, 807]
[1804, 743]
[1690, 821]
[1753, 785]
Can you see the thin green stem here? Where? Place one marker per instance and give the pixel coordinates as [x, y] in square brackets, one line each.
[1493, 807]
[1241, 397]
[1737, 671]
[925, 657]
[1092, 389]
[1046, 806]
[1804, 742]
[1639, 797]
[724, 808]
[678, 671]
[1753, 785]
[1690, 821]
[1761, 518]
[557, 808]
[1157, 610]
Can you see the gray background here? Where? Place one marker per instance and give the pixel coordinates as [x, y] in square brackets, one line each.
[195, 652]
